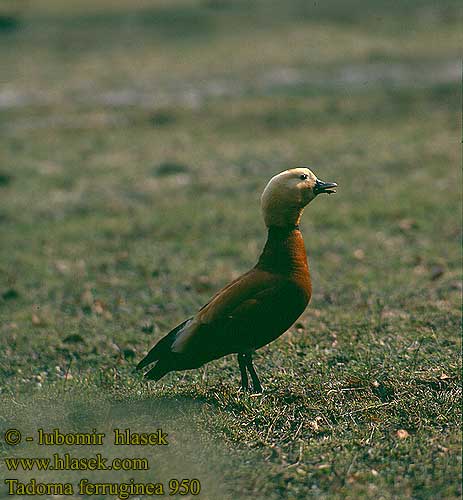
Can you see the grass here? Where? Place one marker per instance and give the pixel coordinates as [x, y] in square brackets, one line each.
[135, 142]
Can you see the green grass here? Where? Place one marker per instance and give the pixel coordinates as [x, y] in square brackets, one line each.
[135, 143]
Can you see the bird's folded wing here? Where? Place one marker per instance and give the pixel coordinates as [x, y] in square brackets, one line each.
[241, 303]
[248, 286]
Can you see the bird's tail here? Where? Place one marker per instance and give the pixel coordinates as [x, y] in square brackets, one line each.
[159, 354]
[158, 371]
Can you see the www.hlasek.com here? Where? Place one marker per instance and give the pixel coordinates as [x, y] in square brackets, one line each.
[67, 462]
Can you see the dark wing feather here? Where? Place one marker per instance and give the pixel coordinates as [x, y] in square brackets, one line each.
[161, 347]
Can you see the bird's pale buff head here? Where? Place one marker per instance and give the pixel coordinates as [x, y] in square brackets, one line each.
[288, 192]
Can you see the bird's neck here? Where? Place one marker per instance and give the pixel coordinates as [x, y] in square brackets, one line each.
[284, 252]
[282, 214]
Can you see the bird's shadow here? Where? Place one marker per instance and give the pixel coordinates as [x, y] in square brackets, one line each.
[164, 405]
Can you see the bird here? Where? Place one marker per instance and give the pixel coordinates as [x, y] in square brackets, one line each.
[261, 304]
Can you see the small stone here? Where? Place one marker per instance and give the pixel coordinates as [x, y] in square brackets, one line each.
[98, 307]
[402, 434]
[36, 320]
[359, 254]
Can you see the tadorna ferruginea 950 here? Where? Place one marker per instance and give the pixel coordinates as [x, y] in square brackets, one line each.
[260, 305]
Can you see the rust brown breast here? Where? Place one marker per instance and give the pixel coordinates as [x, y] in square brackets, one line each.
[285, 257]
[284, 254]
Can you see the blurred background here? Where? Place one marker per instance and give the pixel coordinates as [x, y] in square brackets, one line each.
[135, 140]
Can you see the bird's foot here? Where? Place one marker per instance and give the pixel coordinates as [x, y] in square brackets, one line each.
[257, 388]
[257, 391]
[251, 392]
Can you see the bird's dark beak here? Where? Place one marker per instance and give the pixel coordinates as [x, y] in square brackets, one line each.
[324, 187]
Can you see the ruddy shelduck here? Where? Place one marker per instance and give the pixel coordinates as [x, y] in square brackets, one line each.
[260, 305]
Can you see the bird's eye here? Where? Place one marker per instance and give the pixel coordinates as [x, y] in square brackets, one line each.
[303, 177]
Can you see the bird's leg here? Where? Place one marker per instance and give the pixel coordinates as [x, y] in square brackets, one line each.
[244, 374]
[255, 379]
